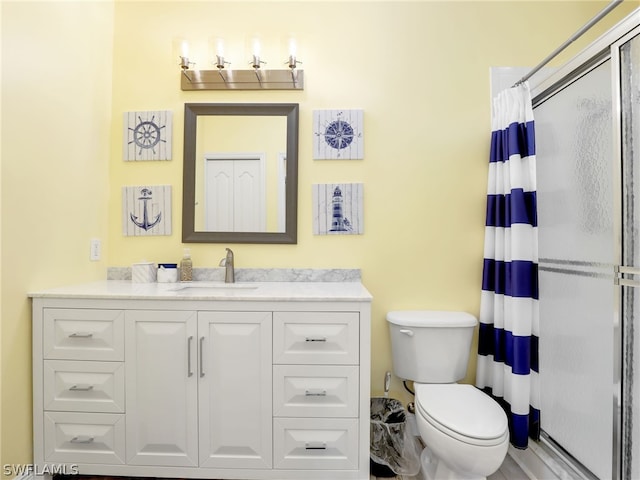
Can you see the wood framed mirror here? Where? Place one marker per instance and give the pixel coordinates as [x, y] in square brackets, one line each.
[240, 173]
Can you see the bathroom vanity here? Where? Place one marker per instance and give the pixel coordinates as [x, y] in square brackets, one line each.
[265, 380]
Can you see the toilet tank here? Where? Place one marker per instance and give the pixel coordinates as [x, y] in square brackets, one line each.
[431, 346]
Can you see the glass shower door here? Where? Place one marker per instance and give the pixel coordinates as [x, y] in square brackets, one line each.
[629, 54]
[574, 138]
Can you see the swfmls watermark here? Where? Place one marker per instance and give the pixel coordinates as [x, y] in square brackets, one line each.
[24, 469]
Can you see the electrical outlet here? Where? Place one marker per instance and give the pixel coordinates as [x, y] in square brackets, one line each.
[96, 247]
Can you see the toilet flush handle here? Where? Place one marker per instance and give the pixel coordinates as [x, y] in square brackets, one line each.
[407, 332]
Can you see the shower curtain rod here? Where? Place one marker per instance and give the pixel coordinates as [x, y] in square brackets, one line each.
[572, 39]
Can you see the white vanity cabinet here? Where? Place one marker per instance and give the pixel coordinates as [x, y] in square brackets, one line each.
[245, 385]
[196, 385]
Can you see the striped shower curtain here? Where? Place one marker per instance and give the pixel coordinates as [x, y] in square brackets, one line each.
[509, 328]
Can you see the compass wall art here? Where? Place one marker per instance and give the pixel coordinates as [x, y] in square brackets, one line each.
[146, 210]
[338, 134]
[147, 135]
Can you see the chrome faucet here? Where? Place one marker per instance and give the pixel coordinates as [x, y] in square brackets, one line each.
[227, 263]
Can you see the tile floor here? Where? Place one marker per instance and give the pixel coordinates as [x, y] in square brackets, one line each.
[508, 471]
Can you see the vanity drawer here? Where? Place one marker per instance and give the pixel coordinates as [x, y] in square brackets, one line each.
[83, 334]
[83, 386]
[84, 437]
[315, 391]
[316, 337]
[315, 443]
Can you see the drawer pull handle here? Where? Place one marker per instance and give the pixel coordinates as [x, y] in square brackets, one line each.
[189, 371]
[315, 446]
[315, 339]
[82, 439]
[315, 393]
[81, 335]
[407, 332]
[81, 388]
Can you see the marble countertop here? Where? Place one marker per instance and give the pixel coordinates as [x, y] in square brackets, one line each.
[212, 290]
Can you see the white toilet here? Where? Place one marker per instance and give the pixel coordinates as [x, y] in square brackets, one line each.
[466, 432]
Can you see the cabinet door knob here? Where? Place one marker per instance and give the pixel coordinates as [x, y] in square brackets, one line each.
[315, 339]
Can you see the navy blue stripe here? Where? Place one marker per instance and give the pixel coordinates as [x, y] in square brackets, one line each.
[517, 138]
[515, 207]
[500, 349]
[518, 278]
[518, 353]
[519, 427]
[534, 423]
[485, 339]
[535, 365]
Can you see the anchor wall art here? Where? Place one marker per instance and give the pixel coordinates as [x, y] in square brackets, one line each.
[146, 210]
[147, 135]
[338, 209]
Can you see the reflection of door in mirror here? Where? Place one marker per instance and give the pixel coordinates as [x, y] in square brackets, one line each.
[236, 191]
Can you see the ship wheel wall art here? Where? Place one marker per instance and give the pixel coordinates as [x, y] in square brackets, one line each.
[147, 135]
[338, 135]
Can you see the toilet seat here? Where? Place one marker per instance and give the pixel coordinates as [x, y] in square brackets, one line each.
[462, 412]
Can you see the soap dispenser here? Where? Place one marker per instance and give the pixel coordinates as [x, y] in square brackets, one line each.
[186, 267]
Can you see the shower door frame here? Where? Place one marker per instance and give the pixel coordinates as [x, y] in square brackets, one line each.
[606, 47]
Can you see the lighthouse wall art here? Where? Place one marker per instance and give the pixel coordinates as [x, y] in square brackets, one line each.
[338, 209]
[146, 210]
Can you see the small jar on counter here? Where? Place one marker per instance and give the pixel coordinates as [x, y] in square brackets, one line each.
[167, 272]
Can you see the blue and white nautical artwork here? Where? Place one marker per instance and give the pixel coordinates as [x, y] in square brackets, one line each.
[147, 135]
[338, 134]
[338, 209]
[146, 210]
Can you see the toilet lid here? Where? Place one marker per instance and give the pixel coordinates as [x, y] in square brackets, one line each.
[462, 411]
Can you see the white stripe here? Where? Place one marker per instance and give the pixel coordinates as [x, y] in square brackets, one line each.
[484, 370]
[486, 307]
[535, 319]
[489, 242]
[524, 244]
[523, 172]
[498, 379]
[534, 397]
[518, 393]
[518, 316]
[498, 314]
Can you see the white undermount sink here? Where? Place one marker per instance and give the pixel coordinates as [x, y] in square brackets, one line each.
[214, 286]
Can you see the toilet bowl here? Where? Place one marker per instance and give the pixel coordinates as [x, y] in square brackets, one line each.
[465, 431]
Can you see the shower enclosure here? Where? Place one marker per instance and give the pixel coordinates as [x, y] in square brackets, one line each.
[588, 159]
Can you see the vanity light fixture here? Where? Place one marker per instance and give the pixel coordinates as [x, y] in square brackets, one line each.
[257, 78]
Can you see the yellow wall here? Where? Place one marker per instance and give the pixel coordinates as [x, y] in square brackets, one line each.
[419, 70]
[56, 119]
